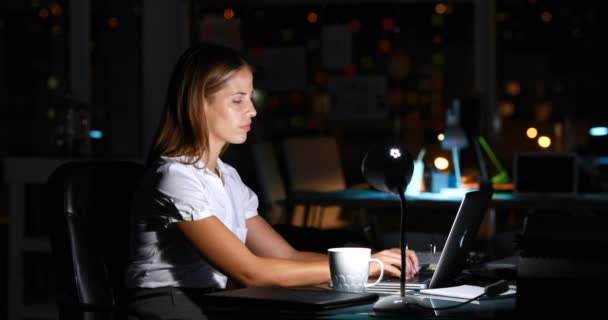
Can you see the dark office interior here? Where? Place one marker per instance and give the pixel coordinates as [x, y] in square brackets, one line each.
[500, 94]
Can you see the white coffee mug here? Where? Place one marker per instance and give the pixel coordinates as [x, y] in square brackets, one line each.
[349, 268]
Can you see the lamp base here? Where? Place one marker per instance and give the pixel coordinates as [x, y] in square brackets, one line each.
[396, 304]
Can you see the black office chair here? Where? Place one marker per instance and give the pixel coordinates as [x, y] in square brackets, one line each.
[89, 203]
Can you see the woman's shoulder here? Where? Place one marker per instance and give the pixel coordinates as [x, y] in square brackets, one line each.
[171, 165]
[168, 163]
[227, 169]
[173, 173]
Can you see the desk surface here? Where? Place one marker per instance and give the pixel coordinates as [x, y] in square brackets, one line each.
[495, 308]
[373, 198]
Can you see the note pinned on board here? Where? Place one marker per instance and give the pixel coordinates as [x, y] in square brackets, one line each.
[280, 68]
[216, 29]
[337, 46]
[357, 97]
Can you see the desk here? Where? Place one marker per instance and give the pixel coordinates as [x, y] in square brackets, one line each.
[362, 198]
[498, 308]
[580, 204]
[372, 198]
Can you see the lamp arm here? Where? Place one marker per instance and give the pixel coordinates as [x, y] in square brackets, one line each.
[403, 241]
[490, 153]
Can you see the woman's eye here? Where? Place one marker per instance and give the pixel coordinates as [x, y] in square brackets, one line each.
[237, 101]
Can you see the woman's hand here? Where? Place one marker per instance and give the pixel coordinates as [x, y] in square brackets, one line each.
[392, 263]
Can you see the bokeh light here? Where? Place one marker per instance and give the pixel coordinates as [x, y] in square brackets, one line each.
[544, 142]
[441, 163]
[531, 132]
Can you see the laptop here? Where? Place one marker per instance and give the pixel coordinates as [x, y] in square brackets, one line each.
[459, 243]
[284, 300]
[545, 173]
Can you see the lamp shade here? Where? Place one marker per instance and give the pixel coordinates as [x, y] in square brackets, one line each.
[388, 167]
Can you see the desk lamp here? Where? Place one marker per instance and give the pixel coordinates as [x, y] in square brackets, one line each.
[454, 138]
[502, 176]
[388, 167]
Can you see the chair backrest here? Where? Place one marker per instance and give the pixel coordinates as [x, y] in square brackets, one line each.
[313, 163]
[89, 202]
[270, 180]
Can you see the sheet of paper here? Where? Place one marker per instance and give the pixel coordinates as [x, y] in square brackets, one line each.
[279, 69]
[216, 29]
[357, 97]
[464, 291]
[337, 46]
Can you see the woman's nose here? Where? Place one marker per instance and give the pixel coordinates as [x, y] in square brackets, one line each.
[252, 112]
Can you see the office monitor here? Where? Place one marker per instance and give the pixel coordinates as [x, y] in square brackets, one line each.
[545, 173]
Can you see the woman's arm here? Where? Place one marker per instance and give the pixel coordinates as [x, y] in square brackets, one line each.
[264, 241]
[227, 253]
[259, 264]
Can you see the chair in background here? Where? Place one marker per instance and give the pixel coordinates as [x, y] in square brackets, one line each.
[270, 182]
[271, 192]
[314, 164]
[89, 202]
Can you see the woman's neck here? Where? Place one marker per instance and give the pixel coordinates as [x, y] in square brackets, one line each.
[210, 158]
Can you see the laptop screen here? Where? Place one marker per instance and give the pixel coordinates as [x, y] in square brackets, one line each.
[461, 237]
[456, 249]
[551, 173]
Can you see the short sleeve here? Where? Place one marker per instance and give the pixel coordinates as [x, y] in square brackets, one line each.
[250, 201]
[246, 198]
[181, 193]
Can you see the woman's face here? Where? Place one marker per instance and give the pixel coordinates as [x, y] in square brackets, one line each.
[230, 110]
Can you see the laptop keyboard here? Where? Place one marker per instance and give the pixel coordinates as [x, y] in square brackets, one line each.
[427, 262]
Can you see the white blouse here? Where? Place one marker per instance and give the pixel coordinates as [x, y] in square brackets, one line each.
[171, 191]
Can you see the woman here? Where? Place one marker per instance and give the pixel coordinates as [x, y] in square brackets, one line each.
[195, 222]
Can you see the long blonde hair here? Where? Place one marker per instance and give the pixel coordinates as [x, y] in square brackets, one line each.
[200, 72]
